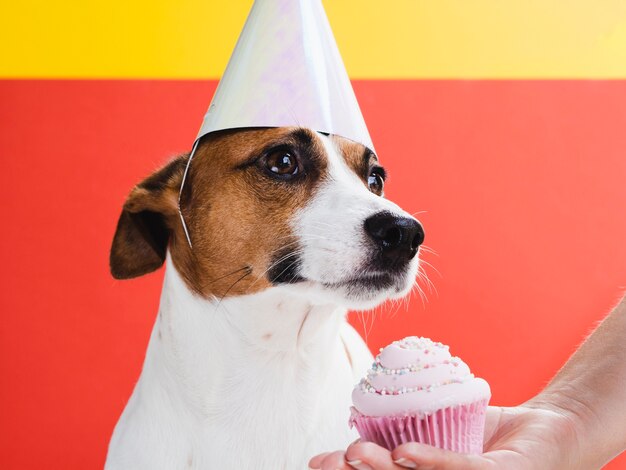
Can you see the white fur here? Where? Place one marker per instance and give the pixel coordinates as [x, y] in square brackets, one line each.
[216, 392]
[335, 245]
[259, 381]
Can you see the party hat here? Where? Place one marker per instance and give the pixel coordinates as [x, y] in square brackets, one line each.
[286, 71]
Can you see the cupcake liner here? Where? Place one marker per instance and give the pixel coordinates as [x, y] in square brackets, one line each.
[457, 428]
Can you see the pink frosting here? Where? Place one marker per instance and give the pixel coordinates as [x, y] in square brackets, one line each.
[416, 376]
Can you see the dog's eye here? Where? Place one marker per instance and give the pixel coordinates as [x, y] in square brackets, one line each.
[376, 181]
[282, 163]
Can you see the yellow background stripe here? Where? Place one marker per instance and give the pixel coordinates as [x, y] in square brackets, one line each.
[378, 38]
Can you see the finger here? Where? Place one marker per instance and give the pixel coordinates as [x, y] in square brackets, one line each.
[335, 461]
[369, 456]
[316, 462]
[425, 457]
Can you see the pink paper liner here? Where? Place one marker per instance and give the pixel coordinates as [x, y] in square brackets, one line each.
[458, 428]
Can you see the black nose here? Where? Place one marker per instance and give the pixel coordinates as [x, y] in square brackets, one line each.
[397, 237]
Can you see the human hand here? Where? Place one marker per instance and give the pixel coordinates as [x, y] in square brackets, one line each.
[523, 437]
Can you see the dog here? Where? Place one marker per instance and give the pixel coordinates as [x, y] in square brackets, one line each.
[251, 362]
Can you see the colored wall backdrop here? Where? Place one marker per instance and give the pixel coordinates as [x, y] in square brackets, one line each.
[502, 120]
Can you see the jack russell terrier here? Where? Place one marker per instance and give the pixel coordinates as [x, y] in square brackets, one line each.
[251, 361]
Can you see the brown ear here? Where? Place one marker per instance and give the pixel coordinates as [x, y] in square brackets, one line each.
[143, 230]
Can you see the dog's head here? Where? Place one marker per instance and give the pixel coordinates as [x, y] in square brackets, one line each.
[269, 207]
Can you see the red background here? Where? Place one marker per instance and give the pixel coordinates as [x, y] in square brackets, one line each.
[523, 184]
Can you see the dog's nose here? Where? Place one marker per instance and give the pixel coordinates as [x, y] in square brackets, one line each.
[398, 237]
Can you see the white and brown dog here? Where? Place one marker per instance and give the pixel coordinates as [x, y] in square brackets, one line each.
[251, 361]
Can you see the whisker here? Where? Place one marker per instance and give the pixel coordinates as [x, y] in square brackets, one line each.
[428, 249]
[276, 263]
[247, 273]
[213, 281]
[422, 295]
[287, 268]
[396, 307]
[422, 261]
[422, 275]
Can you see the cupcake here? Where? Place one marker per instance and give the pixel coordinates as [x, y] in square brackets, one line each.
[417, 392]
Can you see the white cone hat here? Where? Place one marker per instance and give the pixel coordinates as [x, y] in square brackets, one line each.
[286, 71]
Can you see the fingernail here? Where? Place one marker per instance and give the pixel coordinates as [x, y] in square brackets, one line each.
[359, 465]
[405, 463]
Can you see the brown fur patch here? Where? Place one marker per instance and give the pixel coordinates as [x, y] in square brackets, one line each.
[144, 226]
[359, 158]
[237, 213]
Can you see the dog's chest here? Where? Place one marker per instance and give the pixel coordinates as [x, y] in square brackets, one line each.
[275, 412]
[277, 419]
[215, 393]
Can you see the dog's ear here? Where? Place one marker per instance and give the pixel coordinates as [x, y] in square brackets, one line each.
[143, 230]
